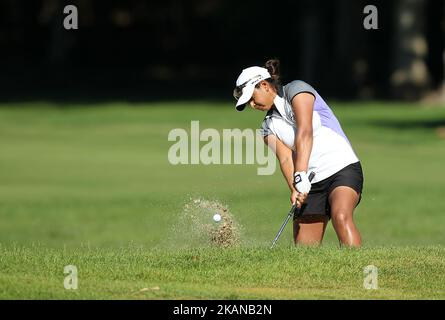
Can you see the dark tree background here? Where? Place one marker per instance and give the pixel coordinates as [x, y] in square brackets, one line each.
[172, 49]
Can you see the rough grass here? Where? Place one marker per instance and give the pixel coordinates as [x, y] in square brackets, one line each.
[211, 273]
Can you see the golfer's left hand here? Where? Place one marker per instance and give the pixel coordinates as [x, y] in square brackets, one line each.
[301, 182]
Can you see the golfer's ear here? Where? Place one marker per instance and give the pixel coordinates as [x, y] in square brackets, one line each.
[264, 84]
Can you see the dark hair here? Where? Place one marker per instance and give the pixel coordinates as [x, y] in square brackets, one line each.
[273, 66]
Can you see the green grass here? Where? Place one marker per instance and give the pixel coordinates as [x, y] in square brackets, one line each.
[92, 186]
[243, 273]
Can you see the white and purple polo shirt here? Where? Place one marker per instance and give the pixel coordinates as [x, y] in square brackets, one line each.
[331, 150]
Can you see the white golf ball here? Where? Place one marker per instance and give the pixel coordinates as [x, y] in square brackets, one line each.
[217, 217]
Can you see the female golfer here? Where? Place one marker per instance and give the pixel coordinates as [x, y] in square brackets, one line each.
[306, 137]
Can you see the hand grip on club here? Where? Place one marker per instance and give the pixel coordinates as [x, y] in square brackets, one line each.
[311, 177]
[289, 215]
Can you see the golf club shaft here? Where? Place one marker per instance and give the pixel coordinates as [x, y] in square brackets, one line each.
[289, 215]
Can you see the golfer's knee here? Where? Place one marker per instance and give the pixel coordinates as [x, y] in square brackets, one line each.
[341, 216]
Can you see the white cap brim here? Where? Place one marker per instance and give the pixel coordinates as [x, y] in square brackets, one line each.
[245, 97]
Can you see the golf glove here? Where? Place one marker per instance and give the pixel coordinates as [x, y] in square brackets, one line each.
[301, 182]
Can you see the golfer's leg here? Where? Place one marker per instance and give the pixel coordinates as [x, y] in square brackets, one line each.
[310, 230]
[342, 201]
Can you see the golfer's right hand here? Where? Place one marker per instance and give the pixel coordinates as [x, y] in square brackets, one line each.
[294, 198]
[298, 198]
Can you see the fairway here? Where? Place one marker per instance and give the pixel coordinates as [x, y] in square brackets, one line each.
[90, 185]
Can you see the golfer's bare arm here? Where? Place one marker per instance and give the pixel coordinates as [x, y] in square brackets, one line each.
[284, 155]
[303, 106]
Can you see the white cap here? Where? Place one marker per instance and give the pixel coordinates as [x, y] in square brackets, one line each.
[246, 82]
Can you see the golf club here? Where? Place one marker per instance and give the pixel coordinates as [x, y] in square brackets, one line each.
[294, 210]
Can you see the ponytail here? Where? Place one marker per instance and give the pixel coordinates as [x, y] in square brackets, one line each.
[273, 66]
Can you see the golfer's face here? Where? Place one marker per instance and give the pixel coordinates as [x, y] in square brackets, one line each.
[262, 98]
